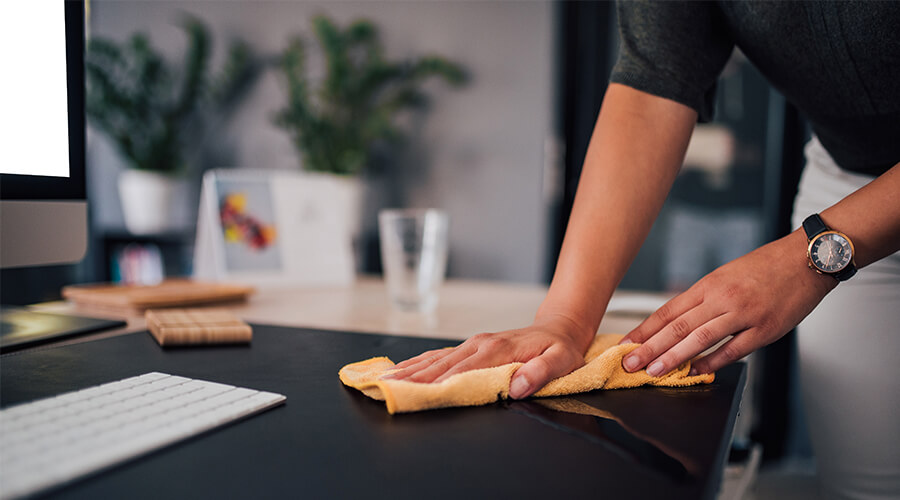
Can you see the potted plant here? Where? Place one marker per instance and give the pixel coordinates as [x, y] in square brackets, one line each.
[335, 123]
[152, 110]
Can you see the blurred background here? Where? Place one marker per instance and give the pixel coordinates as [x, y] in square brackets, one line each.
[496, 139]
[479, 152]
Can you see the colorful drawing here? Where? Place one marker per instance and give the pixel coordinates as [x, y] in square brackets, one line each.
[240, 227]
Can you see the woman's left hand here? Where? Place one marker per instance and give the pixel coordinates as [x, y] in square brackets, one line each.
[756, 298]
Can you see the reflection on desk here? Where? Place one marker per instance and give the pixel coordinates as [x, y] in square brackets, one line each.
[605, 429]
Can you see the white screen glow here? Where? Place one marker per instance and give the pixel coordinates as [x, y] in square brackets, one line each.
[33, 99]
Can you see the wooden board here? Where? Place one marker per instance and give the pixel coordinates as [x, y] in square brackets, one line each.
[197, 326]
[135, 299]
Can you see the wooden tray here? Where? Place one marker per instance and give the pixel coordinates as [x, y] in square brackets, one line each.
[135, 299]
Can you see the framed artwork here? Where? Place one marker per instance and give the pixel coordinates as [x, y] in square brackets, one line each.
[269, 227]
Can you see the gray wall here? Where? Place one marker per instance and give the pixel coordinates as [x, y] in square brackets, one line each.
[479, 153]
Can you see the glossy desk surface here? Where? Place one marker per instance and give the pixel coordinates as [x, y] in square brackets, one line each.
[328, 441]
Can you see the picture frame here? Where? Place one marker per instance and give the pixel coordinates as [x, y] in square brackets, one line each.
[272, 227]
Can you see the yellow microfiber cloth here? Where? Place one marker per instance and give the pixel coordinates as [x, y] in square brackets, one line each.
[602, 370]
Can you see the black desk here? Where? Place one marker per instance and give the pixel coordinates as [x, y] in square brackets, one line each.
[331, 442]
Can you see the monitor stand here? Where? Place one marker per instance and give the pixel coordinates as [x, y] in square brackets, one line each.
[21, 328]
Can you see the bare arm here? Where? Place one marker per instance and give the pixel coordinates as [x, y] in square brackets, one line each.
[870, 217]
[635, 153]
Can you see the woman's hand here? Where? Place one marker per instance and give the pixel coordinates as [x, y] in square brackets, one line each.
[756, 298]
[550, 348]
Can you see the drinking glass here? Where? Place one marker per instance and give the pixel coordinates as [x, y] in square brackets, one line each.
[414, 256]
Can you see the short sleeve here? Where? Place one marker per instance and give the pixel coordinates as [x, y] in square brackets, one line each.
[673, 50]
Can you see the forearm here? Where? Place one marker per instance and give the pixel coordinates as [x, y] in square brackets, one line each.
[635, 153]
[870, 217]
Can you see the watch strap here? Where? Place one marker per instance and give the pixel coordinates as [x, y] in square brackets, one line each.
[814, 225]
[845, 273]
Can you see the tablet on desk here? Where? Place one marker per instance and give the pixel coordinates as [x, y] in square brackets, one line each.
[21, 328]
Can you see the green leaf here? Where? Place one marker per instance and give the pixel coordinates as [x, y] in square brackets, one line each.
[335, 125]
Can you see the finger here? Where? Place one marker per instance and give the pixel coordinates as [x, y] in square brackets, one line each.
[554, 362]
[672, 333]
[741, 345]
[479, 359]
[699, 340]
[421, 357]
[422, 364]
[440, 366]
[669, 311]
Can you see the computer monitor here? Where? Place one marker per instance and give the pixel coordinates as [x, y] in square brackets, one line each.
[43, 202]
[43, 207]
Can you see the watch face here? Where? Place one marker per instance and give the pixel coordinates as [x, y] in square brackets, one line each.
[831, 252]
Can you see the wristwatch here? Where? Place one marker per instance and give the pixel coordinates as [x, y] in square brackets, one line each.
[829, 252]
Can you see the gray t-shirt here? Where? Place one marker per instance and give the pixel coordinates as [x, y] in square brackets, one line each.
[839, 62]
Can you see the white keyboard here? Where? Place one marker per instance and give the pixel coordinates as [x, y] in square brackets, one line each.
[56, 440]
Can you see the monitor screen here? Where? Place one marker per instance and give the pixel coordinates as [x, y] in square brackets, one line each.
[42, 133]
[43, 217]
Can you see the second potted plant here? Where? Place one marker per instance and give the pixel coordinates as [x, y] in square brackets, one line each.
[335, 123]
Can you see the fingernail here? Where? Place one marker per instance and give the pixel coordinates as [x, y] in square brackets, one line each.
[656, 369]
[631, 363]
[694, 372]
[625, 341]
[519, 387]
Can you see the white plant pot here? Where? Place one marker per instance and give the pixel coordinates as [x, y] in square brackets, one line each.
[148, 200]
[350, 191]
[348, 201]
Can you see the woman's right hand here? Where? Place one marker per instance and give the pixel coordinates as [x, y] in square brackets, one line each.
[551, 347]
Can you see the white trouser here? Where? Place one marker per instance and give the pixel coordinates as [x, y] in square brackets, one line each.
[848, 349]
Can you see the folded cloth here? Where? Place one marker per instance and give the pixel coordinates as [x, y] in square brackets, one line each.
[602, 370]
